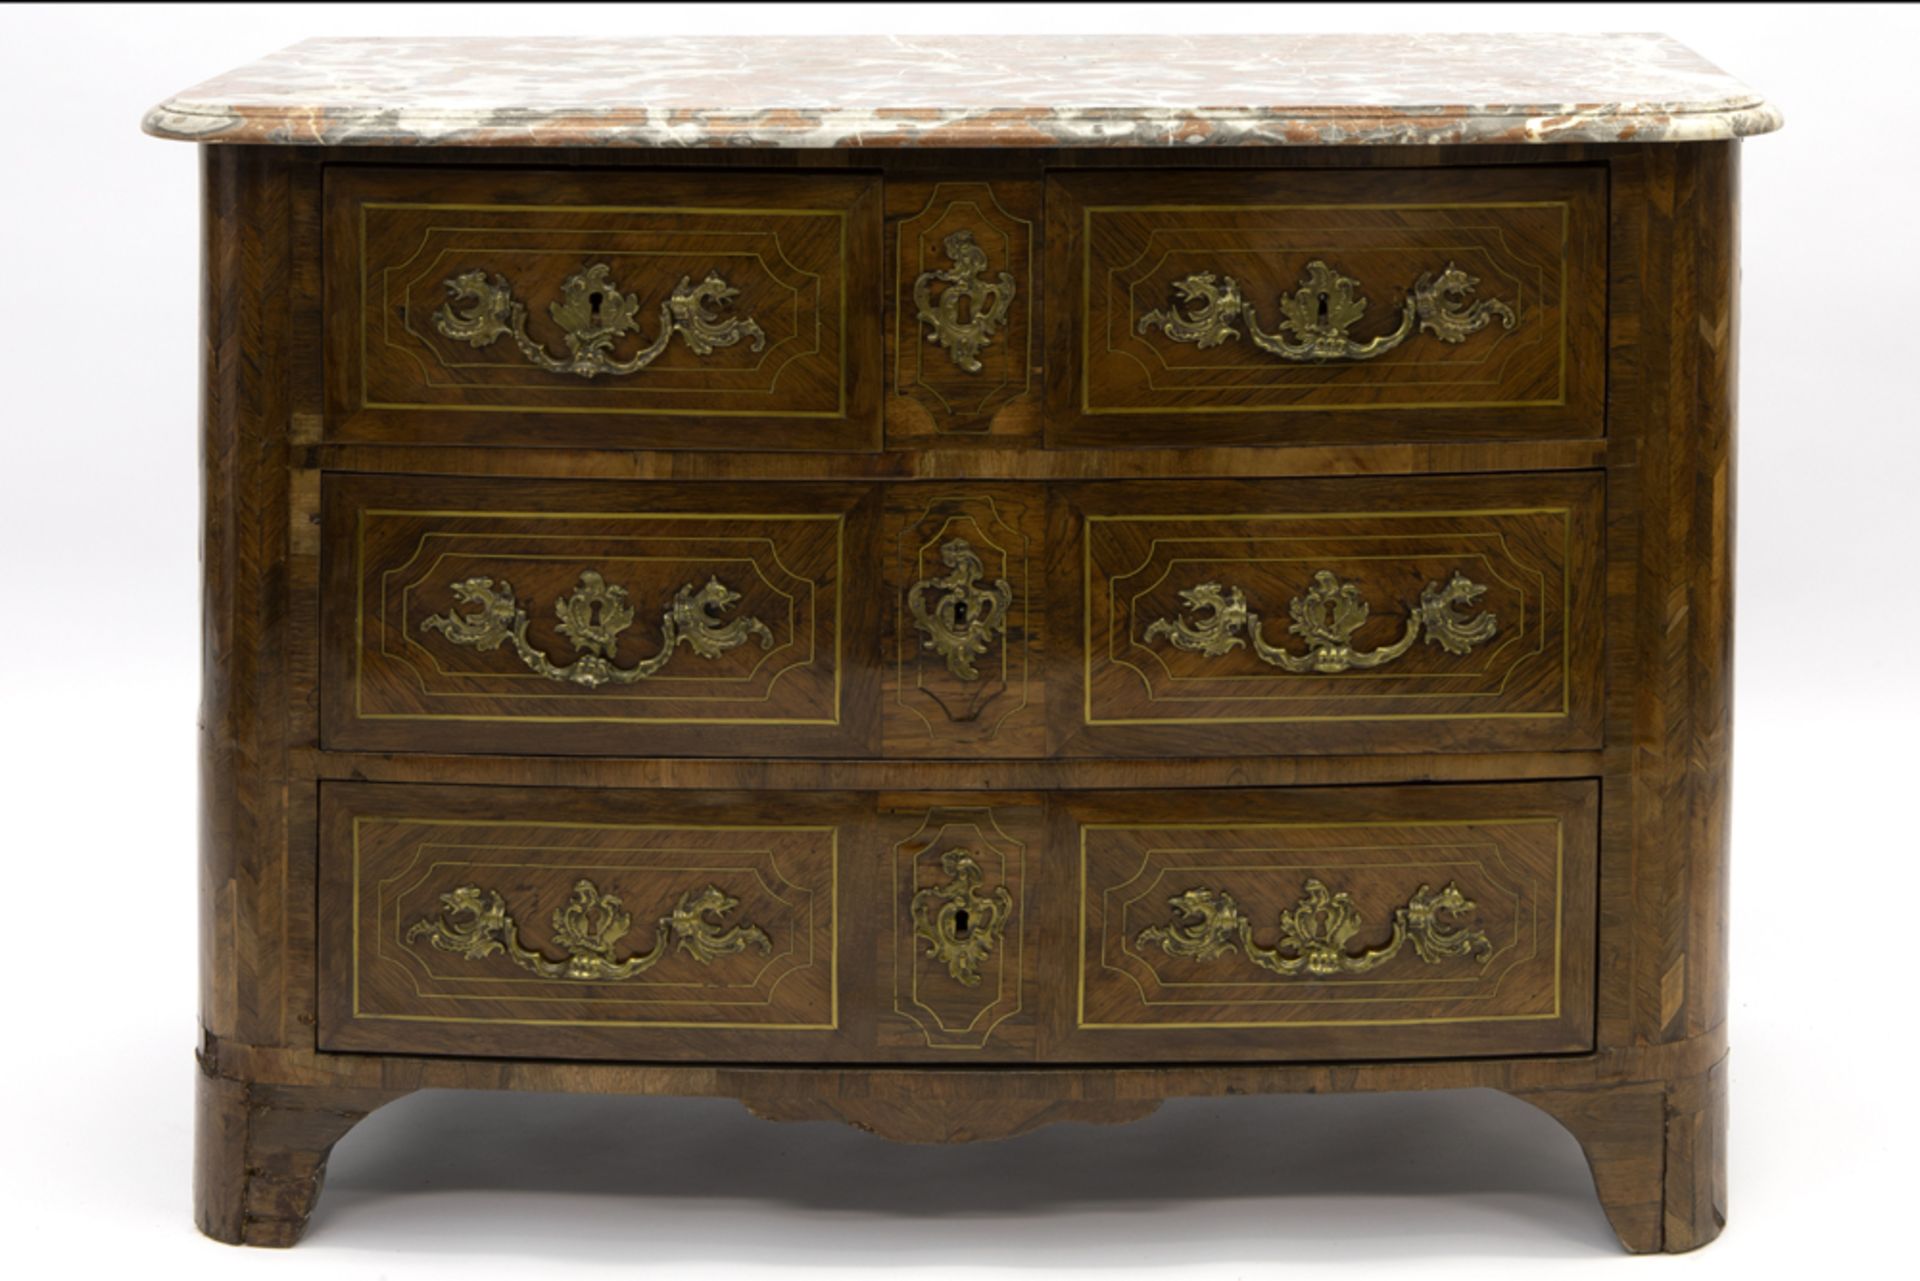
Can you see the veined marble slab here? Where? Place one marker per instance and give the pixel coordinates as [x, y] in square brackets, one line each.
[971, 91]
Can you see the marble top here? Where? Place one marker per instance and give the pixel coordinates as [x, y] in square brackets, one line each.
[971, 91]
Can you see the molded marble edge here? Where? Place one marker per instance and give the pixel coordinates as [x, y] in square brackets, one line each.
[971, 91]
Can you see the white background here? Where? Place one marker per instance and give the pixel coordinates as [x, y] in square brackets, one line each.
[98, 584]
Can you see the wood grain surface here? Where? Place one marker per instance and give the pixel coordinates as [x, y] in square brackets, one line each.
[1651, 312]
[798, 255]
[1122, 248]
[932, 398]
[795, 559]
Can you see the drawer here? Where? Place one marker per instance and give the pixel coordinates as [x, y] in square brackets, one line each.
[1334, 923]
[963, 300]
[1409, 614]
[597, 618]
[1281, 307]
[645, 925]
[652, 925]
[963, 646]
[617, 309]
[1271, 925]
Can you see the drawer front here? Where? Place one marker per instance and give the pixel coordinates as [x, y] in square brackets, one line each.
[597, 619]
[694, 311]
[1255, 924]
[963, 297]
[1293, 306]
[959, 947]
[963, 645]
[639, 925]
[1413, 614]
[1335, 923]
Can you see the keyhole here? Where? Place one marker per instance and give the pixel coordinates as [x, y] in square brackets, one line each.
[1323, 308]
[593, 306]
[959, 613]
[960, 924]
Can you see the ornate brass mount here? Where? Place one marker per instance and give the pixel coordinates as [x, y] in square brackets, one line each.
[592, 618]
[1319, 314]
[1314, 935]
[969, 310]
[1326, 618]
[475, 924]
[965, 617]
[593, 315]
[961, 925]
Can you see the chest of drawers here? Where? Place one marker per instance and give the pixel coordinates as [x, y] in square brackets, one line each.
[956, 608]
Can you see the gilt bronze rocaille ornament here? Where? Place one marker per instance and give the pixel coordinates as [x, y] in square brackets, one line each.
[965, 617]
[592, 618]
[969, 310]
[475, 924]
[1316, 318]
[593, 314]
[1326, 618]
[1314, 935]
[961, 925]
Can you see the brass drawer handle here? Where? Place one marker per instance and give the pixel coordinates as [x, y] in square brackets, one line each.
[591, 619]
[1326, 618]
[961, 925]
[475, 924]
[963, 331]
[963, 620]
[593, 314]
[1314, 935]
[1319, 314]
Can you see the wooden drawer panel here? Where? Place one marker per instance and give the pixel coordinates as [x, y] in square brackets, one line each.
[597, 619]
[1377, 922]
[1334, 923]
[960, 949]
[696, 311]
[764, 925]
[1409, 614]
[592, 924]
[964, 650]
[1302, 306]
[962, 298]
